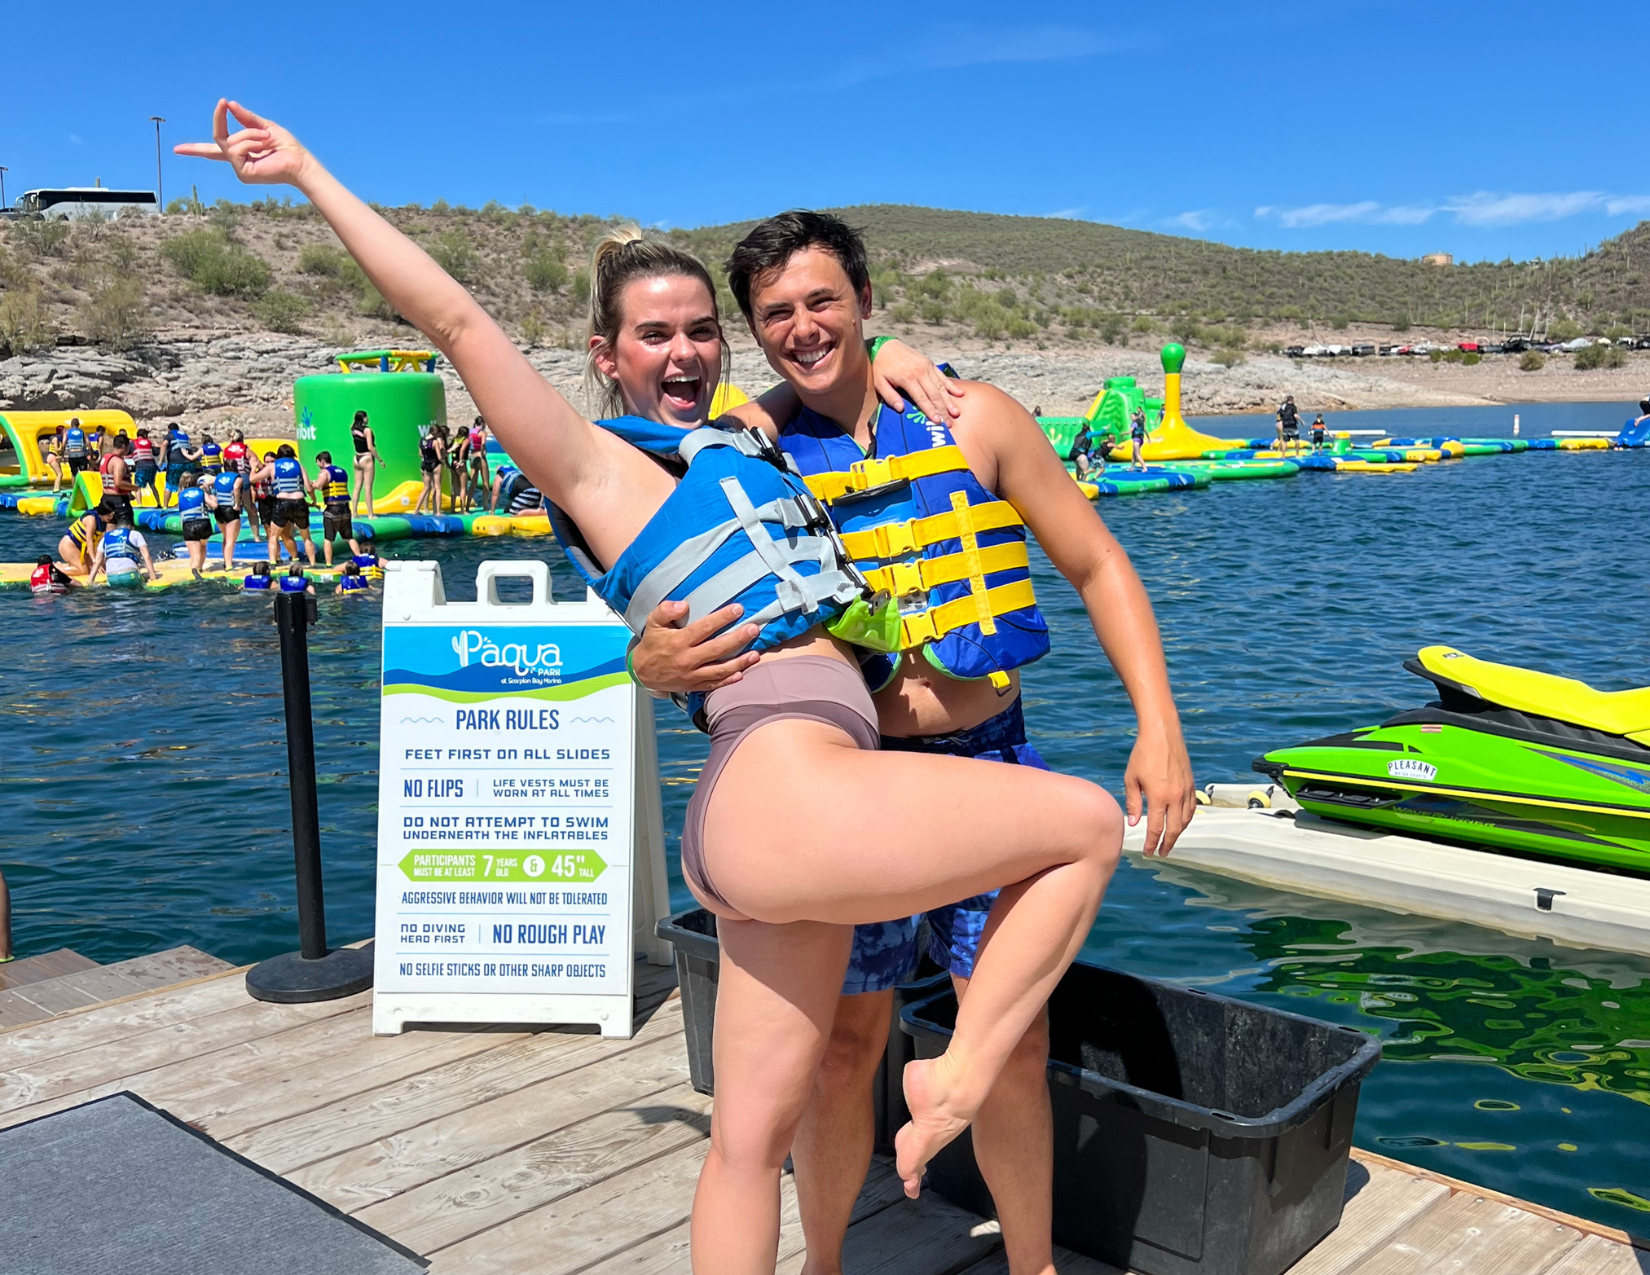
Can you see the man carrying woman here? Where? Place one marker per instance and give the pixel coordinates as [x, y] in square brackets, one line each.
[803, 281]
[773, 842]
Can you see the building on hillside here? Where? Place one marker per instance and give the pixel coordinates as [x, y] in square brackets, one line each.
[1438, 259]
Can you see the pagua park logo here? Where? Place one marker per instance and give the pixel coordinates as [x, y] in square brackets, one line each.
[539, 661]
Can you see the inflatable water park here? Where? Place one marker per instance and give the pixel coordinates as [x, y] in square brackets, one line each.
[1127, 443]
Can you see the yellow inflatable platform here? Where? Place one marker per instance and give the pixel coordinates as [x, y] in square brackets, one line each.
[1173, 439]
[27, 432]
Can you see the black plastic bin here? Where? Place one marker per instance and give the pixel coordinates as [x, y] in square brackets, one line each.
[698, 959]
[1192, 1132]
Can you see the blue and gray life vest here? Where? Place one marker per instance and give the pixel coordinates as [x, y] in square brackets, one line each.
[739, 527]
[289, 479]
[191, 503]
[74, 442]
[223, 486]
[920, 526]
[117, 543]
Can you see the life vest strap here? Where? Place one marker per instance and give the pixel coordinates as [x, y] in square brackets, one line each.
[933, 624]
[893, 540]
[876, 471]
[905, 578]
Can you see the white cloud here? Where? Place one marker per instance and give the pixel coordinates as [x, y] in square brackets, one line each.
[980, 48]
[1481, 208]
[1067, 214]
[1196, 219]
[1486, 209]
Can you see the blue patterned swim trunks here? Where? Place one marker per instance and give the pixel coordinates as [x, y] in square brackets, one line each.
[888, 953]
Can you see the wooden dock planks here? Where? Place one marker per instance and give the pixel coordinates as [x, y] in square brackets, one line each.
[557, 1152]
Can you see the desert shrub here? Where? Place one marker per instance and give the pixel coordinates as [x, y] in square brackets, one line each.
[1437, 356]
[1339, 323]
[455, 254]
[545, 273]
[40, 239]
[12, 273]
[281, 311]
[1111, 327]
[990, 325]
[1401, 323]
[1143, 323]
[24, 324]
[1533, 361]
[1593, 357]
[1471, 358]
[1563, 330]
[117, 312]
[322, 260]
[933, 312]
[1228, 357]
[209, 260]
[533, 329]
[903, 312]
[1021, 328]
[581, 291]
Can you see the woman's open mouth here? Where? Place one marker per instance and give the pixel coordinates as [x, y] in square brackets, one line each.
[681, 392]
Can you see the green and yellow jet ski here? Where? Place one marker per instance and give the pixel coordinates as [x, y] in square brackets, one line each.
[1505, 758]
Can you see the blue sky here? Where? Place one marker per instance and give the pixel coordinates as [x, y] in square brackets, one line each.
[1483, 130]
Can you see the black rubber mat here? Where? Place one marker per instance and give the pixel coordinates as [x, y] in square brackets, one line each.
[118, 1186]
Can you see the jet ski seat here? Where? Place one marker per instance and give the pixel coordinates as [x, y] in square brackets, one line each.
[1543, 694]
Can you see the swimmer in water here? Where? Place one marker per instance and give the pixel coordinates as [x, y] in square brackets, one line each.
[351, 580]
[48, 579]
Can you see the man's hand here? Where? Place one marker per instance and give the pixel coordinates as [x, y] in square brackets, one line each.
[1159, 779]
[671, 660]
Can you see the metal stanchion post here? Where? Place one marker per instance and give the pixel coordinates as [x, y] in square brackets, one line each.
[312, 973]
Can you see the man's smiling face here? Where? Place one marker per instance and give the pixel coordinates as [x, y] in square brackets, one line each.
[804, 315]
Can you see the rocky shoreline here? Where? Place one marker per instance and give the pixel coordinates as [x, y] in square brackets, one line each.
[240, 380]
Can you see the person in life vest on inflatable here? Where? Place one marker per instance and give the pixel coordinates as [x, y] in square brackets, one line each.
[48, 579]
[293, 494]
[75, 549]
[903, 489]
[336, 523]
[779, 849]
[224, 498]
[351, 580]
[195, 517]
[123, 554]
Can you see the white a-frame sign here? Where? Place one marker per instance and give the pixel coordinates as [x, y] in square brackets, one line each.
[520, 843]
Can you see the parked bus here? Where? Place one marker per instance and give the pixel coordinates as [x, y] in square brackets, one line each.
[85, 201]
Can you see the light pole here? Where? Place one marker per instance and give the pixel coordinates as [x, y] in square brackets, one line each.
[3, 171]
[160, 192]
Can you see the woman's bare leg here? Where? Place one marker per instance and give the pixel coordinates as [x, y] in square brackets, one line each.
[775, 998]
[851, 836]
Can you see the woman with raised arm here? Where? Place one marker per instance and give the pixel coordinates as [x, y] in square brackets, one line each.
[670, 509]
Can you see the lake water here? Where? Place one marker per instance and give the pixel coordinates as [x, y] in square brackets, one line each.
[142, 765]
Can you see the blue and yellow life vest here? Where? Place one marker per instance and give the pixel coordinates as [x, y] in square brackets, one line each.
[920, 526]
[368, 562]
[350, 583]
[334, 485]
[739, 527]
[191, 503]
[211, 457]
[80, 537]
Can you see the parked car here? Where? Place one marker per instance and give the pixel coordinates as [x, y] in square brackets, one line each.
[1467, 347]
[1625, 342]
[1387, 351]
[1491, 347]
[1295, 351]
[1517, 344]
[1362, 349]
[1580, 343]
[1641, 343]
[1315, 352]
[1421, 347]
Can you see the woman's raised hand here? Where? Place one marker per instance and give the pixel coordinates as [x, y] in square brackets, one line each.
[261, 153]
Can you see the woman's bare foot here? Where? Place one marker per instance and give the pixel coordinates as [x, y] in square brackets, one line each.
[936, 1119]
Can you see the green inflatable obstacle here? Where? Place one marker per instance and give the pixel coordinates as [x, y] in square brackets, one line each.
[402, 397]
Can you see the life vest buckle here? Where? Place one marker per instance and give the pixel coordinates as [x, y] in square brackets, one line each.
[904, 579]
[874, 471]
[894, 539]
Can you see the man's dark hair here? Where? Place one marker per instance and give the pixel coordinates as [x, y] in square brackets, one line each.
[772, 243]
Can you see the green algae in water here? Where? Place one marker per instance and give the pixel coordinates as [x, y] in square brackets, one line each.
[1495, 1104]
[1619, 1195]
[1563, 1028]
